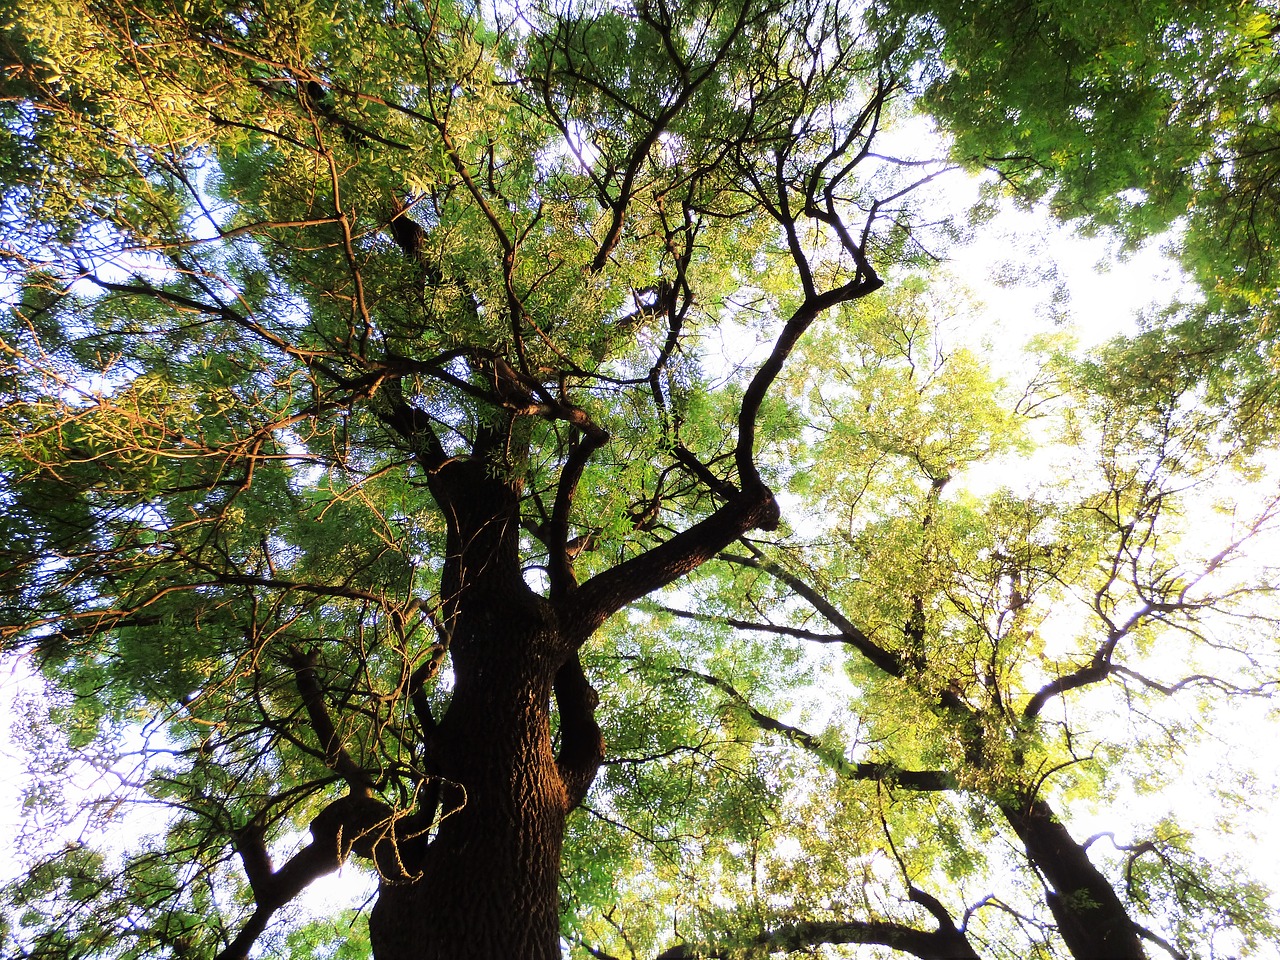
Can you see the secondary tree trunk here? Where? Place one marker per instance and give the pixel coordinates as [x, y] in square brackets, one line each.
[1091, 917]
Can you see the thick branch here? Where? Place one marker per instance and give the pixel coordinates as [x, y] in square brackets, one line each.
[273, 889]
[753, 397]
[1091, 918]
[1099, 669]
[581, 742]
[596, 600]
[945, 943]
[412, 424]
[559, 562]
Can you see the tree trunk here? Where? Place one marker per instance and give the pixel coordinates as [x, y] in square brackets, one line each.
[486, 885]
[488, 881]
[1091, 917]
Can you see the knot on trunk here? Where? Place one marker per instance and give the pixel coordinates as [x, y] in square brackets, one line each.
[759, 505]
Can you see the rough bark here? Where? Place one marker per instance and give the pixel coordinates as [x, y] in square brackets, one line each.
[487, 884]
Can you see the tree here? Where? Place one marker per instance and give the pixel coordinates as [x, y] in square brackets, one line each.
[357, 396]
[966, 642]
[986, 641]
[322, 314]
[1130, 119]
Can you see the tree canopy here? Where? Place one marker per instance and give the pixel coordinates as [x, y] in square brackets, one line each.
[534, 459]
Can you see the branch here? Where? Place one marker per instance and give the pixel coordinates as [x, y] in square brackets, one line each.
[594, 951]
[685, 457]
[336, 756]
[1100, 666]
[559, 561]
[1091, 918]
[922, 780]
[885, 660]
[1160, 942]
[1098, 670]
[582, 612]
[640, 154]
[945, 943]
[308, 358]
[581, 742]
[412, 424]
[737, 624]
[223, 579]
[1264, 689]
[272, 889]
[752, 399]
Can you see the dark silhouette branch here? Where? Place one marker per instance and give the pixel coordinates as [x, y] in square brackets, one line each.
[641, 151]
[945, 943]
[887, 773]
[739, 624]
[1091, 918]
[885, 660]
[273, 889]
[560, 560]
[753, 397]
[581, 742]
[336, 756]
[596, 600]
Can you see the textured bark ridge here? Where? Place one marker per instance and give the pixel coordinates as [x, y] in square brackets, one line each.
[486, 886]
